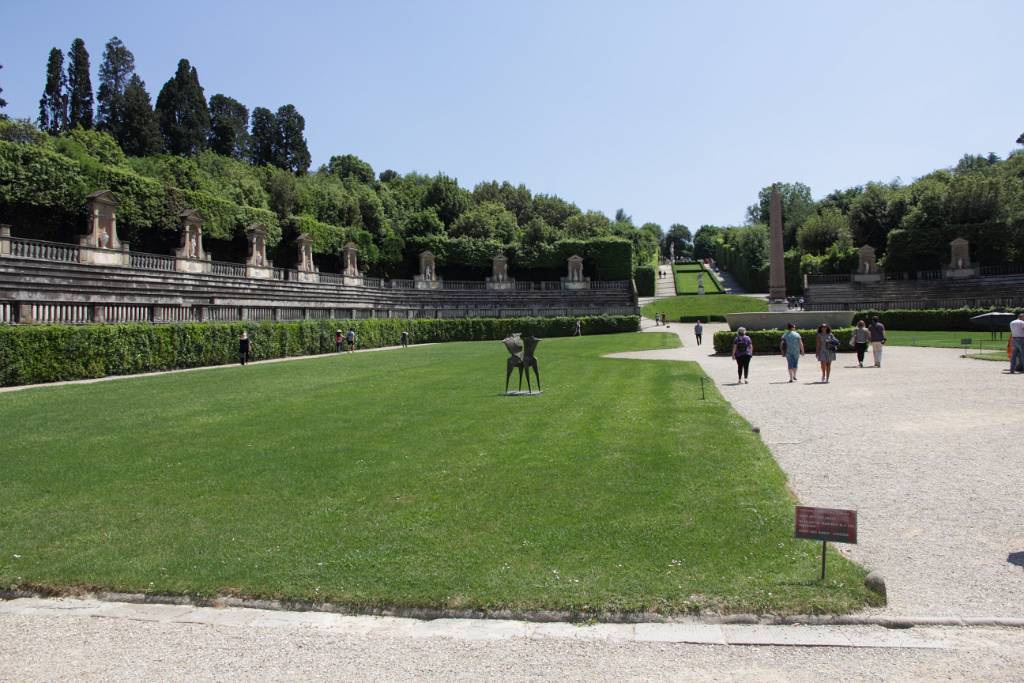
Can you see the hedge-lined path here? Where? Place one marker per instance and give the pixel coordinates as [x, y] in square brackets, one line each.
[664, 286]
[929, 449]
[110, 378]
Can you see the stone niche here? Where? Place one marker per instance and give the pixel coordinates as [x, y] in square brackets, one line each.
[351, 272]
[867, 265]
[256, 265]
[100, 245]
[499, 278]
[190, 257]
[575, 279]
[960, 265]
[307, 270]
[427, 277]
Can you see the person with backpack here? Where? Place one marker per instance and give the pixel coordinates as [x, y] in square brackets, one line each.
[742, 352]
[244, 348]
[877, 334]
[792, 347]
[859, 341]
[825, 346]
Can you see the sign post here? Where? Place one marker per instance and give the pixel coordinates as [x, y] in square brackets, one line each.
[826, 524]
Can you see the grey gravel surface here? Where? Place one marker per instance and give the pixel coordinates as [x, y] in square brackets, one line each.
[929, 449]
[82, 648]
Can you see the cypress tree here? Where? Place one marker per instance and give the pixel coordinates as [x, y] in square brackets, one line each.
[79, 86]
[229, 126]
[53, 109]
[291, 151]
[3, 102]
[137, 129]
[263, 137]
[115, 71]
[182, 112]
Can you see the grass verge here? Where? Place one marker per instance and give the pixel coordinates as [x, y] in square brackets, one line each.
[406, 478]
[687, 307]
[686, 279]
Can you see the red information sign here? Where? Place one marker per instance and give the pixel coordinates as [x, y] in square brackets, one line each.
[826, 524]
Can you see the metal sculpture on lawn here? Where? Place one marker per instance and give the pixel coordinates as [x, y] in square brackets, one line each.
[522, 356]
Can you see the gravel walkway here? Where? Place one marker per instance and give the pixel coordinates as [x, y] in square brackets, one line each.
[929, 449]
[70, 647]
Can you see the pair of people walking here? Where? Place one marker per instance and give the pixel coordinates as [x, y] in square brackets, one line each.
[791, 347]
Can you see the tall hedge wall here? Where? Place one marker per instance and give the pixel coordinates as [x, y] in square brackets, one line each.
[766, 342]
[50, 353]
[926, 319]
[646, 280]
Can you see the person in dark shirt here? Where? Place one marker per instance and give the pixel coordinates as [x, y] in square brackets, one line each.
[405, 339]
[244, 348]
[350, 339]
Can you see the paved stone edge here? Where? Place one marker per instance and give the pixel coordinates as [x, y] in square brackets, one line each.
[535, 616]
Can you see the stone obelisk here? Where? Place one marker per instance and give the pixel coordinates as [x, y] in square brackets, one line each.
[777, 264]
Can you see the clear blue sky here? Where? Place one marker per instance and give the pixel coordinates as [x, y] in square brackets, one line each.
[675, 111]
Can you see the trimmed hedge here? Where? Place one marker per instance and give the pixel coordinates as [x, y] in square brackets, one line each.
[702, 318]
[52, 353]
[766, 342]
[646, 280]
[925, 319]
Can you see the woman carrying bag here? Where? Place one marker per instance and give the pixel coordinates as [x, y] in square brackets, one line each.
[825, 346]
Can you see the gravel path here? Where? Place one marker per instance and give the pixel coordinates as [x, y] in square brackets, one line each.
[929, 449]
[69, 647]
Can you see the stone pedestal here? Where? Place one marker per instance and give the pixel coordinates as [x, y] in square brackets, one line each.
[778, 306]
[5, 240]
[105, 257]
[575, 284]
[100, 245]
[25, 316]
[957, 273]
[960, 265]
[351, 262]
[308, 277]
[352, 280]
[421, 282]
[867, 277]
[503, 285]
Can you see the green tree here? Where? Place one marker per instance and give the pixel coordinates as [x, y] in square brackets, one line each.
[489, 220]
[136, 127]
[182, 112]
[79, 86]
[874, 213]
[517, 199]
[447, 198]
[822, 230]
[53, 107]
[351, 166]
[290, 150]
[554, 210]
[1020, 140]
[706, 241]
[116, 71]
[262, 137]
[387, 175]
[282, 191]
[587, 225]
[678, 235]
[797, 205]
[229, 127]
[424, 223]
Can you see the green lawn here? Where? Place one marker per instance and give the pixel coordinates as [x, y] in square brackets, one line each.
[981, 340]
[686, 279]
[703, 306]
[405, 478]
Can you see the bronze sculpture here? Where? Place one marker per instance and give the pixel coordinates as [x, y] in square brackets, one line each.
[522, 356]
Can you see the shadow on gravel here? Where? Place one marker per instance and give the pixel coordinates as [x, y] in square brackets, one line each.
[1016, 558]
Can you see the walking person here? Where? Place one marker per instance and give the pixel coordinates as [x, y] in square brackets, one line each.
[859, 341]
[742, 352]
[339, 341]
[244, 348]
[1017, 341]
[877, 334]
[350, 339]
[825, 347]
[578, 332]
[405, 339]
[792, 347]
[698, 331]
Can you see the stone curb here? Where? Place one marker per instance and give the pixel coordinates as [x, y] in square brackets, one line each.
[534, 616]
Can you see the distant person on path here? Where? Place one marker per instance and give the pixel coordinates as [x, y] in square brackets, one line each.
[792, 347]
[1017, 340]
[859, 341]
[801, 302]
[244, 348]
[742, 352]
[350, 339]
[339, 341]
[698, 331]
[578, 332]
[825, 346]
[877, 333]
[405, 339]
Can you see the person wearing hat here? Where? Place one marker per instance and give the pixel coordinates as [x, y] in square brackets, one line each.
[339, 341]
[244, 348]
